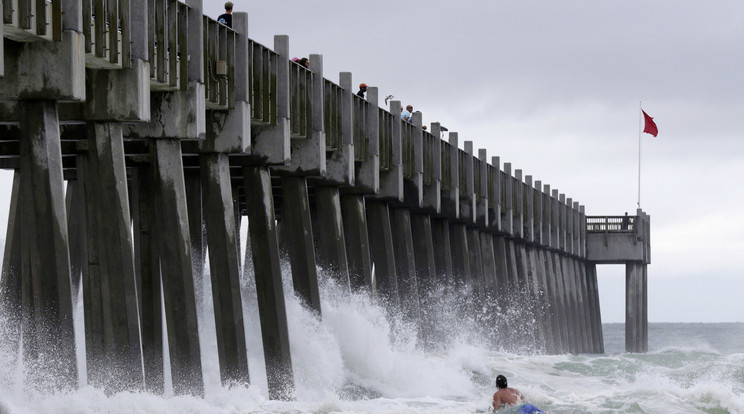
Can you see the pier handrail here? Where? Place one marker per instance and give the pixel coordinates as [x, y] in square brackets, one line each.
[409, 150]
[447, 151]
[106, 26]
[610, 224]
[300, 110]
[360, 132]
[168, 45]
[333, 115]
[219, 64]
[386, 139]
[430, 145]
[32, 20]
[262, 78]
[476, 181]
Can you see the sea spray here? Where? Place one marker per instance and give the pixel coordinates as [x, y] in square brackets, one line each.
[362, 357]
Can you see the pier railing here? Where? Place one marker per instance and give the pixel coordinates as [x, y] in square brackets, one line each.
[219, 64]
[386, 139]
[610, 223]
[409, 149]
[360, 110]
[477, 166]
[168, 31]
[431, 149]
[32, 20]
[447, 154]
[333, 115]
[106, 27]
[262, 69]
[300, 109]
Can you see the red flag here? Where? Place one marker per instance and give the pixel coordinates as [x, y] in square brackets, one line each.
[650, 127]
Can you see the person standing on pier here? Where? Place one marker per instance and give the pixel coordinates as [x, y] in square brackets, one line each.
[362, 90]
[406, 115]
[626, 221]
[226, 18]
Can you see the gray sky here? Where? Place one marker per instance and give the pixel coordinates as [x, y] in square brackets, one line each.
[554, 88]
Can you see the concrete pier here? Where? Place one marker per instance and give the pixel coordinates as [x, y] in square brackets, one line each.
[405, 264]
[175, 265]
[224, 267]
[272, 311]
[46, 285]
[297, 232]
[110, 296]
[147, 266]
[382, 251]
[132, 161]
[357, 241]
[329, 231]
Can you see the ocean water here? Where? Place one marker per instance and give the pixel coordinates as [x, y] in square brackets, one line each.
[363, 358]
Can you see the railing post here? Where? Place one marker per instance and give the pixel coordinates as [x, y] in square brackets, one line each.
[482, 198]
[518, 204]
[508, 223]
[494, 218]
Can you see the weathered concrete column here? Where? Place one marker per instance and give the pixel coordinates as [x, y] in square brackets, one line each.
[545, 279]
[537, 290]
[596, 320]
[405, 264]
[271, 307]
[47, 296]
[442, 252]
[489, 265]
[10, 279]
[381, 250]
[572, 306]
[297, 232]
[636, 291]
[423, 251]
[502, 265]
[561, 301]
[329, 231]
[144, 199]
[224, 267]
[76, 231]
[177, 274]
[512, 272]
[585, 309]
[193, 184]
[476, 262]
[109, 290]
[460, 255]
[357, 241]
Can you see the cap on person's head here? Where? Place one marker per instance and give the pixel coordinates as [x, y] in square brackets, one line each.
[501, 381]
[362, 85]
[229, 5]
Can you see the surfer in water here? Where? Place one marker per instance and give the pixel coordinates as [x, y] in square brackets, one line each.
[510, 397]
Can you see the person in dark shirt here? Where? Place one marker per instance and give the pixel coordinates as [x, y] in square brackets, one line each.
[362, 90]
[226, 18]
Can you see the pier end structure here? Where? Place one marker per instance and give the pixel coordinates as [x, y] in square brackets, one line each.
[625, 240]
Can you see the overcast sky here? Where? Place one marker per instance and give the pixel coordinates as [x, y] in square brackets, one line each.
[554, 88]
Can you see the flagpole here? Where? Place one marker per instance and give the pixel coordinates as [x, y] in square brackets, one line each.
[640, 125]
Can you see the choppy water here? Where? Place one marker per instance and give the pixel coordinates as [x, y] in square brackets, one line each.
[357, 361]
